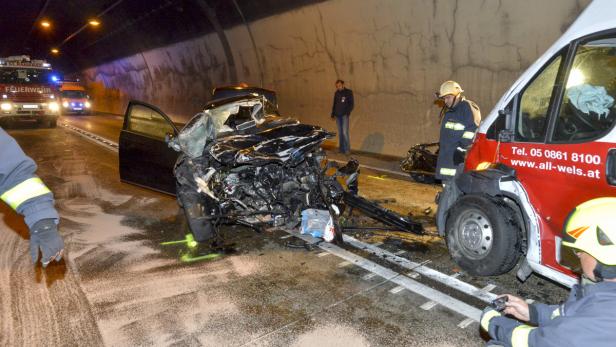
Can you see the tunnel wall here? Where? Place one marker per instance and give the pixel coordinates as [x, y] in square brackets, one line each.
[393, 54]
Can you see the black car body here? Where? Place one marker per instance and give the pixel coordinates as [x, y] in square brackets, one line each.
[238, 161]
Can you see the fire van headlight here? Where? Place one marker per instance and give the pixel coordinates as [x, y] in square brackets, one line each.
[6, 106]
[53, 106]
[87, 104]
[65, 104]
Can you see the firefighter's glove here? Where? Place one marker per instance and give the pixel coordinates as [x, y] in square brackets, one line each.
[44, 235]
[459, 155]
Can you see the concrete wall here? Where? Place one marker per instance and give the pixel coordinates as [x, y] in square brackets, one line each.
[393, 54]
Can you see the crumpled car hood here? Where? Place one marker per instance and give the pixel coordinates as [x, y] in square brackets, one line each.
[279, 140]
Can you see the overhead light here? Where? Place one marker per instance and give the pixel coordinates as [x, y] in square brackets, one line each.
[94, 22]
[45, 24]
[55, 51]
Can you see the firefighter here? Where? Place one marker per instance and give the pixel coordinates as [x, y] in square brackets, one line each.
[459, 121]
[587, 318]
[24, 192]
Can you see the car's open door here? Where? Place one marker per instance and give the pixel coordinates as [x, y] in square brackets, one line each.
[145, 158]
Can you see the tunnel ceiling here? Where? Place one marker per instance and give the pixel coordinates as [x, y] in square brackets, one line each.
[127, 26]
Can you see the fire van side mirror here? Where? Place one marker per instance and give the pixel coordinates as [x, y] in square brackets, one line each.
[506, 135]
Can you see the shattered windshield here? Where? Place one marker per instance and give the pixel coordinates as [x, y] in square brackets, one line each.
[222, 119]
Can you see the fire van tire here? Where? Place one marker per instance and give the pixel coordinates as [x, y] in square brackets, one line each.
[483, 235]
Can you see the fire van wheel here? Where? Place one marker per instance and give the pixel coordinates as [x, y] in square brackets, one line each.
[483, 236]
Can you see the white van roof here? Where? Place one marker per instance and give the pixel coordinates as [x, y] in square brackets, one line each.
[598, 16]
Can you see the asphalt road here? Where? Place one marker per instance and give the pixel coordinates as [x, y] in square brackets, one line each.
[129, 277]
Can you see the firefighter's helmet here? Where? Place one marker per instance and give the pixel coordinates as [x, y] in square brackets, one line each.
[591, 228]
[450, 88]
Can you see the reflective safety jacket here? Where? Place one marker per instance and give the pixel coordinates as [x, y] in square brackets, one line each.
[587, 318]
[20, 188]
[457, 131]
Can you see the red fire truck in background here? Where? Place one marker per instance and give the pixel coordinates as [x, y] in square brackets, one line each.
[28, 92]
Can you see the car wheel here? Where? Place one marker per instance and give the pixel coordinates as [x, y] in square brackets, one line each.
[483, 235]
[194, 208]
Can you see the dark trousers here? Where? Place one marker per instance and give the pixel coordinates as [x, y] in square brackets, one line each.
[344, 139]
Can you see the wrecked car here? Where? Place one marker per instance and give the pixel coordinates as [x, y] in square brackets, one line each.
[240, 162]
[420, 162]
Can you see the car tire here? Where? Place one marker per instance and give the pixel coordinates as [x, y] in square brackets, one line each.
[194, 209]
[483, 235]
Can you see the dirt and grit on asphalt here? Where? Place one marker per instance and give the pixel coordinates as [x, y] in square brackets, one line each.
[130, 276]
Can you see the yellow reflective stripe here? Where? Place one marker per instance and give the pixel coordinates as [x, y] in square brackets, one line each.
[27, 189]
[519, 336]
[485, 319]
[455, 126]
[555, 314]
[483, 165]
[448, 172]
[468, 135]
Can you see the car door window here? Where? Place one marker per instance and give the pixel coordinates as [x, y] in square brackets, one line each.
[587, 110]
[146, 121]
[532, 120]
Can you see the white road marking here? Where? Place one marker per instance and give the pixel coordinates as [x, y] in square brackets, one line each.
[322, 254]
[397, 289]
[369, 276]
[463, 324]
[422, 270]
[429, 305]
[286, 236]
[344, 264]
[110, 145]
[427, 292]
[377, 244]
[488, 288]
[456, 275]
[400, 252]
[413, 275]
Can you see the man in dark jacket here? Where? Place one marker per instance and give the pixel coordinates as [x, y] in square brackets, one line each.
[341, 109]
[587, 318]
[24, 192]
[458, 125]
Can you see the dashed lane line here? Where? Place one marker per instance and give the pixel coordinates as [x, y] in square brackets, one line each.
[397, 289]
[423, 270]
[369, 276]
[113, 146]
[427, 292]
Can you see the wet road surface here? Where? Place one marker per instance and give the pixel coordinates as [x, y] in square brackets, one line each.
[130, 277]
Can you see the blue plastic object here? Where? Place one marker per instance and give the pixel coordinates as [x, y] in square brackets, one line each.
[315, 222]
